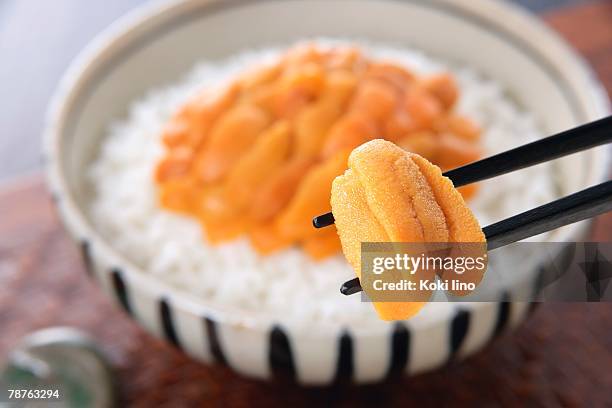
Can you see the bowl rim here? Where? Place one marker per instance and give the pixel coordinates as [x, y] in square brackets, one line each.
[148, 15]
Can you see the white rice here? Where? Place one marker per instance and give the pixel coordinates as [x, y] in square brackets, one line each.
[233, 276]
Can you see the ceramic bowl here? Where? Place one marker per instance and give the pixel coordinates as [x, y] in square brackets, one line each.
[156, 44]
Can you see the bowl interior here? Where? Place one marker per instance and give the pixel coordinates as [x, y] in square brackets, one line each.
[155, 46]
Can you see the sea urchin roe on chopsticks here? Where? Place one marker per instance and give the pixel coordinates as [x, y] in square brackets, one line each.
[258, 157]
[390, 195]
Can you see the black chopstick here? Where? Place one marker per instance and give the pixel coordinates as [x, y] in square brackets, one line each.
[562, 144]
[576, 207]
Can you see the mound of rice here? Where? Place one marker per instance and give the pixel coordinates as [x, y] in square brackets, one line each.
[287, 286]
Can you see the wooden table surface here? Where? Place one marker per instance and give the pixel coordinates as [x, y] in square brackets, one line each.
[544, 363]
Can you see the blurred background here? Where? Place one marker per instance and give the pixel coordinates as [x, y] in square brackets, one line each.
[38, 39]
[545, 363]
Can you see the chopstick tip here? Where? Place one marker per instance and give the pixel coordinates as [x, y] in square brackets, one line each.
[323, 220]
[351, 287]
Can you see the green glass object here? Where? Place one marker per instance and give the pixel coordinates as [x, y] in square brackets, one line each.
[58, 367]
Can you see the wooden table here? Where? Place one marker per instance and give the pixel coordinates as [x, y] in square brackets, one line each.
[544, 363]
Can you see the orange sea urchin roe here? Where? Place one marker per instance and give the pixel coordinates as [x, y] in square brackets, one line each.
[258, 157]
[390, 195]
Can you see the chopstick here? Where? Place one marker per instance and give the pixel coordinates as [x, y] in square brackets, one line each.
[562, 144]
[576, 207]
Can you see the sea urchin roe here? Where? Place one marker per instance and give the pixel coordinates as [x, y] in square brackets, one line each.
[258, 157]
[390, 195]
